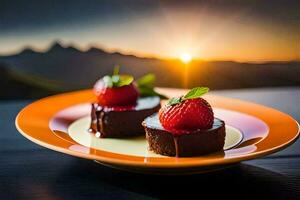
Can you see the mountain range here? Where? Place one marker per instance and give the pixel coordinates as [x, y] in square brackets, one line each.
[32, 74]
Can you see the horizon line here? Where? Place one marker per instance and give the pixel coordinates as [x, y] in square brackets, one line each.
[137, 55]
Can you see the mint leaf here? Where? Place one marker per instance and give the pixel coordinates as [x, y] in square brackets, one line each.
[145, 85]
[107, 81]
[196, 93]
[117, 80]
[149, 92]
[192, 94]
[116, 70]
[122, 80]
[175, 100]
[146, 80]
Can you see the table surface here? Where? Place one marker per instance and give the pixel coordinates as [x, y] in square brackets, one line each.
[28, 171]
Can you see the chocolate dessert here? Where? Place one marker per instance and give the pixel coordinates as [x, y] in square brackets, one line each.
[194, 143]
[185, 126]
[122, 121]
[122, 104]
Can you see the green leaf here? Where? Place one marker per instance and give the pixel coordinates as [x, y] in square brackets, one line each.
[196, 93]
[122, 80]
[107, 81]
[116, 70]
[146, 80]
[192, 94]
[148, 92]
[145, 85]
[175, 100]
[115, 79]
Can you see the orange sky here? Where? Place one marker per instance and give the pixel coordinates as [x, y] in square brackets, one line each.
[205, 34]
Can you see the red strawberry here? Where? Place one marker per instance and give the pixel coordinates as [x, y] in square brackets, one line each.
[115, 96]
[187, 115]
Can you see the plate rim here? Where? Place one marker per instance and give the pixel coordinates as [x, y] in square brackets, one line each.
[135, 163]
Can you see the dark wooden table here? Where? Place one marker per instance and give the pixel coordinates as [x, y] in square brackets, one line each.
[28, 171]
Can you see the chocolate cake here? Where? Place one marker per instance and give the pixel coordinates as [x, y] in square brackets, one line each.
[116, 122]
[194, 143]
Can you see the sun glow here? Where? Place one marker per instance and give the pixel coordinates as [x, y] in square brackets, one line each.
[185, 57]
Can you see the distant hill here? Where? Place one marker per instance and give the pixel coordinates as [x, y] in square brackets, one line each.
[34, 74]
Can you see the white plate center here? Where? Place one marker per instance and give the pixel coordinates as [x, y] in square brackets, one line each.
[136, 146]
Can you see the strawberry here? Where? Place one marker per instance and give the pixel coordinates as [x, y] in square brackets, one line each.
[116, 90]
[187, 113]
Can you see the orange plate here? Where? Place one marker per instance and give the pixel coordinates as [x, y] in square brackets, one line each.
[279, 131]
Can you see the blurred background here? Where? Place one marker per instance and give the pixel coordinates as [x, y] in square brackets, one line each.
[47, 47]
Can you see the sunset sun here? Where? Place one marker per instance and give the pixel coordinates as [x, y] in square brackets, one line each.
[185, 57]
